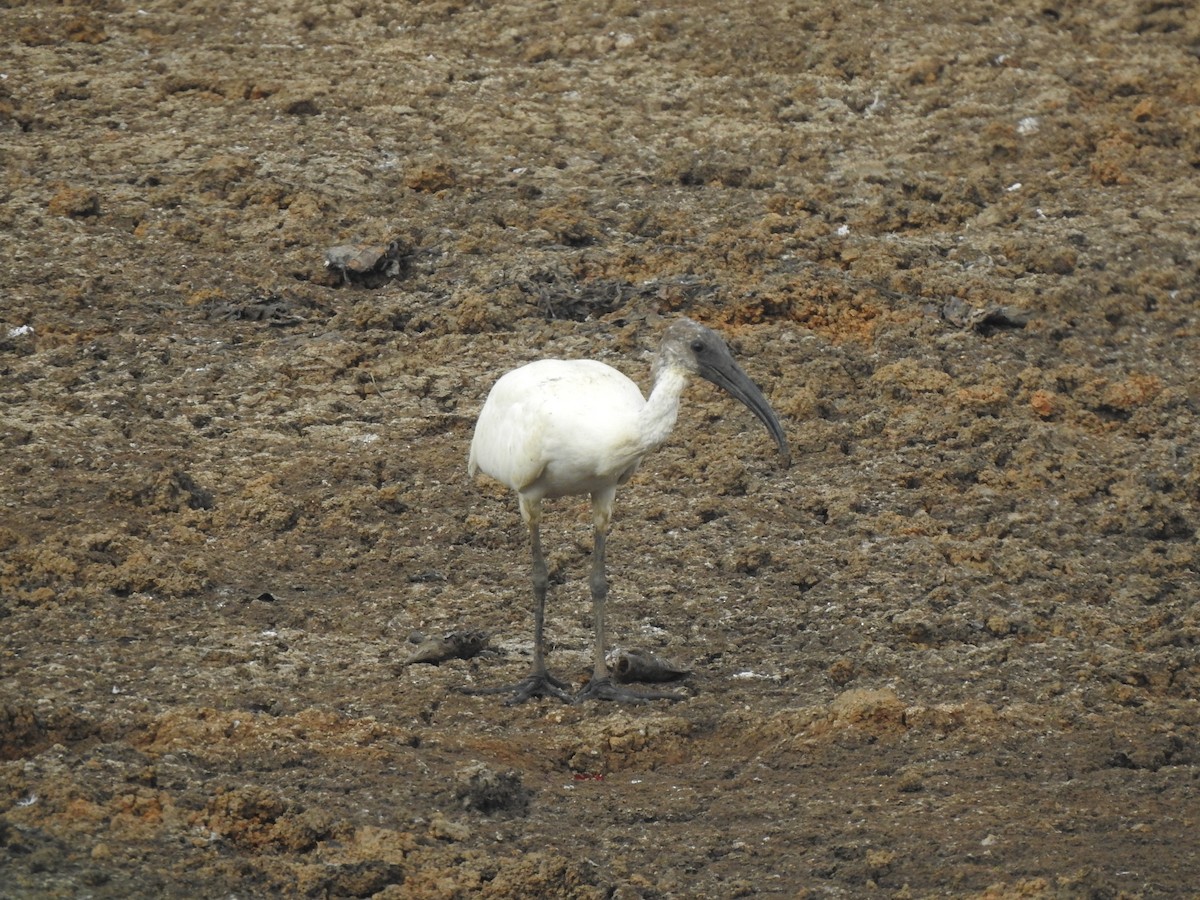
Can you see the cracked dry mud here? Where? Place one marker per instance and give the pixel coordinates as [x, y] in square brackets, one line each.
[953, 651]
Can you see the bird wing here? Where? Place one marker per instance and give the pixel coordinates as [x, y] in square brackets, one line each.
[557, 427]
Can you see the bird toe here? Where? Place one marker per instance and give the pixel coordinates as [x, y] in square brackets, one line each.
[537, 685]
[604, 689]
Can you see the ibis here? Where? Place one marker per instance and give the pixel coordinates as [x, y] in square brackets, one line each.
[555, 428]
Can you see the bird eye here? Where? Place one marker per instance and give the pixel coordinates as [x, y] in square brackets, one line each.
[697, 346]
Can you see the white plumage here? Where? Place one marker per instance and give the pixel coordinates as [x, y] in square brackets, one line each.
[558, 427]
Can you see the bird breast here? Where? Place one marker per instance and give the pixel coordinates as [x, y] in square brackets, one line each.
[557, 427]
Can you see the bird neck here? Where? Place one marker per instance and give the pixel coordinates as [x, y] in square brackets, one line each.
[657, 417]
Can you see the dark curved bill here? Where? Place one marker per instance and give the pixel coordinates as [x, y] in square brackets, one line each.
[725, 373]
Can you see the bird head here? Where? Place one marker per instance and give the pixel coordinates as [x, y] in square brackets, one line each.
[692, 347]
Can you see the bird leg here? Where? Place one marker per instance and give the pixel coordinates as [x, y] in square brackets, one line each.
[601, 687]
[539, 682]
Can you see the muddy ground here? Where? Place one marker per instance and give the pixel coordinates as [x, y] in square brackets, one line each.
[952, 651]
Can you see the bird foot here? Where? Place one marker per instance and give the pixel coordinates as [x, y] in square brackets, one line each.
[604, 689]
[536, 685]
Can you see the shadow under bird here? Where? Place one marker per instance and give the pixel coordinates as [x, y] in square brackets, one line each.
[558, 427]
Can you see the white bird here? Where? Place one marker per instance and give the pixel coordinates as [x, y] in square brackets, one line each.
[558, 427]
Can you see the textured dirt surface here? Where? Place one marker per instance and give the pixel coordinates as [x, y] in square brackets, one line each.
[952, 651]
